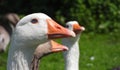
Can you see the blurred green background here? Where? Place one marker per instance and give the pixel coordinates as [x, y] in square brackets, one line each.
[99, 44]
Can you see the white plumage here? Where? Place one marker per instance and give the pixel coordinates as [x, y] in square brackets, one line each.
[71, 56]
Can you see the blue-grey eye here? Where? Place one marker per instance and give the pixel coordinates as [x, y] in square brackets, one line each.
[67, 26]
[34, 21]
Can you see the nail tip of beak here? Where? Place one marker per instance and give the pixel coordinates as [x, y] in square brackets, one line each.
[73, 34]
[66, 48]
[83, 28]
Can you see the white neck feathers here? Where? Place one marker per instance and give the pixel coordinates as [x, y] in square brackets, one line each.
[71, 56]
[20, 56]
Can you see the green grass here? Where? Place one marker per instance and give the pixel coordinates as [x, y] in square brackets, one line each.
[105, 49]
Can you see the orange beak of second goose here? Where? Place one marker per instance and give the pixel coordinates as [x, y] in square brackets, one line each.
[77, 28]
[57, 31]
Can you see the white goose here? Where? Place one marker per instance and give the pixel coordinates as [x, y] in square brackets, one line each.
[31, 31]
[71, 56]
[4, 39]
[7, 23]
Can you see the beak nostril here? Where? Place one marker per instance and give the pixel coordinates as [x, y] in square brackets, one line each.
[58, 27]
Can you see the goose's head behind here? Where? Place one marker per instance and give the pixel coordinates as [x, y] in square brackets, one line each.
[78, 29]
[31, 31]
[74, 26]
[4, 39]
[7, 24]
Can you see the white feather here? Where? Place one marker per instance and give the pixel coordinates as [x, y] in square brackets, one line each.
[71, 56]
[25, 39]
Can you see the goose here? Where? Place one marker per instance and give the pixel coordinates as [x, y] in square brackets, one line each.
[31, 31]
[44, 49]
[71, 56]
[7, 24]
[4, 39]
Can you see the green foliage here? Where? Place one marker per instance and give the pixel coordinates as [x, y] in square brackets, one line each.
[101, 16]
[98, 16]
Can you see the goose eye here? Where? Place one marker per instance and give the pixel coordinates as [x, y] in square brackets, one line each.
[34, 21]
[67, 26]
[3, 40]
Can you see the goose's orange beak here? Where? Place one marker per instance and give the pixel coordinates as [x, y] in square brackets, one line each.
[77, 28]
[57, 31]
[56, 47]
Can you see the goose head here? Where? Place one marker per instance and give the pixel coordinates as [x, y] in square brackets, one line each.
[11, 18]
[49, 47]
[4, 39]
[39, 26]
[44, 49]
[74, 26]
[7, 24]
